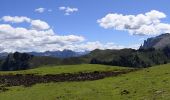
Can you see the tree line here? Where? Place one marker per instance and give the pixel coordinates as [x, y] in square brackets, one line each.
[138, 58]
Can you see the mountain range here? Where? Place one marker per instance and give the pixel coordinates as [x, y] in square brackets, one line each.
[57, 54]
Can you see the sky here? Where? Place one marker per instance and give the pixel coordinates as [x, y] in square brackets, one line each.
[80, 25]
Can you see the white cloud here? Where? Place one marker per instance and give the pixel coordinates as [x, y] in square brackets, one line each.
[15, 19]
[40, 10]
[89, 46]
[141, 24]
[62, 8]
[35, 24]
[141, 39]
[22, 39]
[39, 25]
[26, 40]
[68, 10]
[98, 45]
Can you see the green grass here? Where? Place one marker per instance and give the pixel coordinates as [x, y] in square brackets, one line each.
[65, 69]
[147, 84]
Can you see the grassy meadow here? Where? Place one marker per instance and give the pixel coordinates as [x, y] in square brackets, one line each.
[65, 69]
[146, 84]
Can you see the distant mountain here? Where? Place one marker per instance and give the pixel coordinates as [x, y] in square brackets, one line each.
[59, 54]
[158, 42]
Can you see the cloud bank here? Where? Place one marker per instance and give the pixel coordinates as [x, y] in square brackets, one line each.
[22, 39]
[39, 37]
[148, 23]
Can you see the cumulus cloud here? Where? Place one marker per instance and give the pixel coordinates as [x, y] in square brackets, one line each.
[89, 46]
[35, 24]
[40, 10]
[26, 40]
[15, 19]
[22, 39]
[39, 25]
[68, 10]
[142, 24]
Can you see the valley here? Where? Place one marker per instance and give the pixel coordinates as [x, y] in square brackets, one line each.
[84, 50]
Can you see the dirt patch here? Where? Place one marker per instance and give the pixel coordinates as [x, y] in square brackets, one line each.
[124, 92]
[31, 79]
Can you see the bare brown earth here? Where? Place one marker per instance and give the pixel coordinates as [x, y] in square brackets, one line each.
[31, 79]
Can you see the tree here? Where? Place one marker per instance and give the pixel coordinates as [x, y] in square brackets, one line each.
[16, 61]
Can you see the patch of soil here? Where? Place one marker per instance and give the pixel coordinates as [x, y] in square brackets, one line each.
[124, 92]
[31, 79]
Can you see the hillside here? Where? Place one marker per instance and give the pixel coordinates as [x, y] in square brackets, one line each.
[146, 84]
[44, 70]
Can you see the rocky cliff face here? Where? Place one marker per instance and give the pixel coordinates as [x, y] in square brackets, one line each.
[158, 42]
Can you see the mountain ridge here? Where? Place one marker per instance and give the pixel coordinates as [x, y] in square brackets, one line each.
[158, 42]
[58, 54]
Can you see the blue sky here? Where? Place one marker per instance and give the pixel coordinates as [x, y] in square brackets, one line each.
[84, 21]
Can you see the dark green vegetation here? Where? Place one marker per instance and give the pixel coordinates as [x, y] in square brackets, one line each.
[125, 57]
[16, 61]
[136, 58]
[146, 84]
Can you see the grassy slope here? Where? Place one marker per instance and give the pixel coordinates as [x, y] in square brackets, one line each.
[65, 69]
[148, 84]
